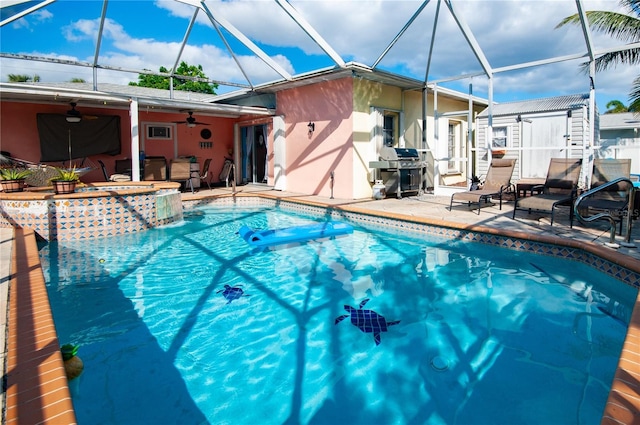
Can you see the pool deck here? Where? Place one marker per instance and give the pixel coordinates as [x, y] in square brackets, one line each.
[33, 393]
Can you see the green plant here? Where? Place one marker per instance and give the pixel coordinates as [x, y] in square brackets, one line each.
[14, 173]
[66, 175]
[68, 351]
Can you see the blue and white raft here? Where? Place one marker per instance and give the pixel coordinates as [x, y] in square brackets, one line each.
[264, 238]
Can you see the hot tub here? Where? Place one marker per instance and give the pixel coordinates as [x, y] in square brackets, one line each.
[94, 210]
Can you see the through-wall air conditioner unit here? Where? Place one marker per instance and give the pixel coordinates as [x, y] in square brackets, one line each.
[159, 132]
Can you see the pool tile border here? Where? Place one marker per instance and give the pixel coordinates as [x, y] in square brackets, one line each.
[37, 390]
[36, 385]
[600, 259]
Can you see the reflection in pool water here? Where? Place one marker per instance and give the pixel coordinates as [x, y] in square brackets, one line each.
[484, 334]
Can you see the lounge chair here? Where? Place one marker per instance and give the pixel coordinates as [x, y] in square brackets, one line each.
[497, 182]
[614, 199]
[204, 174]
[559, 189]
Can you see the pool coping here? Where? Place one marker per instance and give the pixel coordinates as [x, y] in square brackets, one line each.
[36, 386]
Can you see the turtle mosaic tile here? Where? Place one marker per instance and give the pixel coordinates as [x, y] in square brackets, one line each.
[622, 407]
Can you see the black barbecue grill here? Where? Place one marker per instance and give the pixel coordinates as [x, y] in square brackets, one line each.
[400, 169]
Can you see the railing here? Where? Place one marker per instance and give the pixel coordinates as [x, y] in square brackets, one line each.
[606, 215]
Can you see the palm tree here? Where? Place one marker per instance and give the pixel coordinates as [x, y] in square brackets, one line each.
[624, 27]
[23, 78]
[19, 78]
[616, 107]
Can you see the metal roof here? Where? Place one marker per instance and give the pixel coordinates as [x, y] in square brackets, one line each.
[550, 104]
[114, 95]
[625, 120]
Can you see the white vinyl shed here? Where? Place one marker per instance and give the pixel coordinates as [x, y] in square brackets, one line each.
[533, 132]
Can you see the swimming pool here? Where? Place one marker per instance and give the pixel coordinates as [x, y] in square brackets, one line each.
[150, 313]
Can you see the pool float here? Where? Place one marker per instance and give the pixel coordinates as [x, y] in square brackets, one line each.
[264, 238]
[367, 320]
[232, 293]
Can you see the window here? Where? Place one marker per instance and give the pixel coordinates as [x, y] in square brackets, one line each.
[500, 137]
[389, 128]
[451, 146]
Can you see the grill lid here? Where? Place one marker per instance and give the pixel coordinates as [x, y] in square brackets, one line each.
[388, 153]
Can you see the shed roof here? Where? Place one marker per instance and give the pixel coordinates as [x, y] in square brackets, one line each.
[625, 120]
[549, 104]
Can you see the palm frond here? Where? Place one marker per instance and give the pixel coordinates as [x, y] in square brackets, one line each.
[618, 25]
[608, 60]
[632, 5]
[634, 96]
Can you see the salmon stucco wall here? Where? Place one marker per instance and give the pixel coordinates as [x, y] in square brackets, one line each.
[19, 135]
[310, 158]
[19, 131]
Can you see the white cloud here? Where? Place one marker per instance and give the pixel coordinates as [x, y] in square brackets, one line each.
[508, 32]
[35, 18]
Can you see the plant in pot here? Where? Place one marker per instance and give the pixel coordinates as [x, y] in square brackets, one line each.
[65, 181]
[475, 182]
[12, 179]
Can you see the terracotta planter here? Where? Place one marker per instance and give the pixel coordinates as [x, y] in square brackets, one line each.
[9, 186]
[498, 152]
[63, 187]
[73, 367]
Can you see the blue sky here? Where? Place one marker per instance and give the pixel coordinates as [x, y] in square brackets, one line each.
[147, 35]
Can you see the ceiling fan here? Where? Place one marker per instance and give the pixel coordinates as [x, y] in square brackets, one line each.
[73, 115]
[190, 121]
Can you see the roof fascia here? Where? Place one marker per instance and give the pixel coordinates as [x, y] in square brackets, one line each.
[350, 69]
[53, 93]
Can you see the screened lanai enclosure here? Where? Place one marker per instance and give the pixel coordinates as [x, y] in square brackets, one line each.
[486, 52]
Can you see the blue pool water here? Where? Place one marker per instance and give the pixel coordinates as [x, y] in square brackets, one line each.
[485, 335]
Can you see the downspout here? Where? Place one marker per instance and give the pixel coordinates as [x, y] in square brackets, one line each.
[401, 130]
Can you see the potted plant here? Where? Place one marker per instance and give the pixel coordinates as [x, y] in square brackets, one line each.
[65, 181]
[73, 365]
[475, 182]
[12, 179]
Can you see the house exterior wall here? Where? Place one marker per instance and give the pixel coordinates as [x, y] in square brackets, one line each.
[310, 158]
[367, 95]
[621, 142]
[343, 139]
[19, 135]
